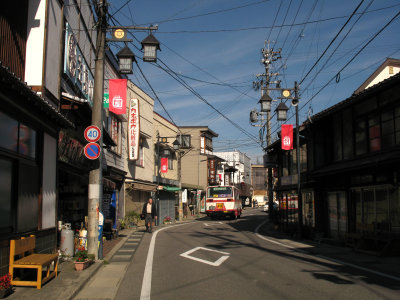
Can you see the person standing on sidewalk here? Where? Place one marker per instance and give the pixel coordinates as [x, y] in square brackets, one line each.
[150, 212]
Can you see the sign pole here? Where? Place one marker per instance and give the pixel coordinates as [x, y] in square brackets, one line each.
[95, 189]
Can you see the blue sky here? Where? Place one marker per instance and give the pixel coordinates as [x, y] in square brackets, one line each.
[215, 47]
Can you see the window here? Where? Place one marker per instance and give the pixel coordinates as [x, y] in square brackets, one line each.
[170, 163]
[348, 135]
[374, 133]
[360, 137]
[5, 191]
[303, 158]
[115, 130]
[20, 173]
[184, 140]
[337, 137]
[140, 162]
[387, 129]
[17, 137]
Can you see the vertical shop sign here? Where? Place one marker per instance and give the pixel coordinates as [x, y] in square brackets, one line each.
[184, 196]
[164, 164]
[76, 67]
[287, 136]
[212, 171]
[134, 128]
[117, 96]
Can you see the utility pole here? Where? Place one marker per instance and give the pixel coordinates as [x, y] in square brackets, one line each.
[299, 197]
[268, 57]
[96, 176]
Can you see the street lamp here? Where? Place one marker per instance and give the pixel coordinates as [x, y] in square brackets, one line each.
[176, 144]
[265, 102]
[125, 60]
[150, 45]
[281, 111]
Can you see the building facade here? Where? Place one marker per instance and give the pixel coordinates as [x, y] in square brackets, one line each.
[196, 173]
[240, 164]
[166, 169]
[139, 184]
[349, 170]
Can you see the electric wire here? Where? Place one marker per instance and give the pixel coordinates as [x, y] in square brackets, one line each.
[339, 44]
[332, 41]
[181, 81]
[155, 94]
[346, 65]
[273, 23]
[209, 13]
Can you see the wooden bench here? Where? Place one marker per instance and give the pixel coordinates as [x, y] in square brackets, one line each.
[23, 248]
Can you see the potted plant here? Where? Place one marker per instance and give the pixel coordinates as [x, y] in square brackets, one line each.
[167, 220]
[5, 285]
[82, 260]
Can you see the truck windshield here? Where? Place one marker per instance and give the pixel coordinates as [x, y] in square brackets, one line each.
[220, 192]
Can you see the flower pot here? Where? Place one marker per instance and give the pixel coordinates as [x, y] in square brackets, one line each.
[81, 265]
[5, 292]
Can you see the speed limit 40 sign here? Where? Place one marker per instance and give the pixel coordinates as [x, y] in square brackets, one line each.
[92, 133]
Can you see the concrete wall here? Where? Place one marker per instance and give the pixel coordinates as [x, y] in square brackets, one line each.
[165, 129]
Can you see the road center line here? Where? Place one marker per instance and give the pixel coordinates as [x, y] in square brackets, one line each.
[148, 270]
[324, 257]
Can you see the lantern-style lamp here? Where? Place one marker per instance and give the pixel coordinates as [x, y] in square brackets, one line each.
[176, 144]
[125, 60]
[265, 101]
[150, 45]
[281, 111]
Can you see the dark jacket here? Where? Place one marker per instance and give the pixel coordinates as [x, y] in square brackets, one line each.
[153, 210]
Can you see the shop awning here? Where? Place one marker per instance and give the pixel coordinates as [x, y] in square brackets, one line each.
[170, 188]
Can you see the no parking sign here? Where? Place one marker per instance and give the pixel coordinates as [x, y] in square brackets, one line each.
[92, 150]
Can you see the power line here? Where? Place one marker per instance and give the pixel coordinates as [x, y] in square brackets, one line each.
[347, 64]
[181, 81]
[155, 94]
[332, 41]
[268, 27]
[209, 13]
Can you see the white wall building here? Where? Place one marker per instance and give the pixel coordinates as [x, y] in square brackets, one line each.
[235, 159]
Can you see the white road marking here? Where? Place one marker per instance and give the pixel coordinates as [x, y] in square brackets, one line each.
[148, 270]
[325, 257]
[216, 263]
[213, 224]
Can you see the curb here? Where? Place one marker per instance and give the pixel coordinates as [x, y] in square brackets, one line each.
[98, 264]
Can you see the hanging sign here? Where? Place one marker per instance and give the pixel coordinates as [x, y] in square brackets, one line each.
[117, 96]
[164, 164]
[92, 133]
[287, 137]
[133, 131]
[184, 196]
[92, 150]
[106, 101]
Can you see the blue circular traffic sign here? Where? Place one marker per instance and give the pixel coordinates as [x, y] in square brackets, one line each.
[92, 151]
[92, 133]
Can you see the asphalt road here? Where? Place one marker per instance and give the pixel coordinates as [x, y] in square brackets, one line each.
[226, 259]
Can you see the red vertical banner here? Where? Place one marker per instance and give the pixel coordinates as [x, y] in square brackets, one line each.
[164, 164]
[287, 137]
[117, 95]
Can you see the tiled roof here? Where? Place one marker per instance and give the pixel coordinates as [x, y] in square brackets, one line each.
[9, 81]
